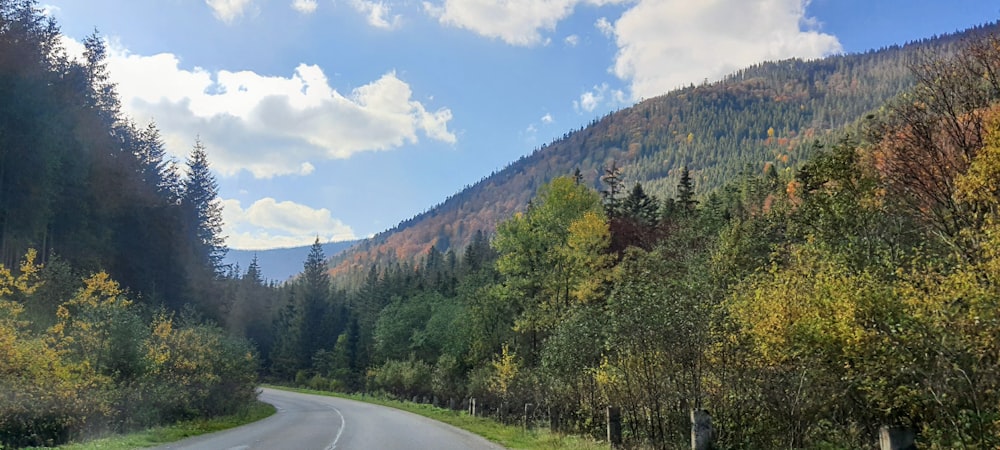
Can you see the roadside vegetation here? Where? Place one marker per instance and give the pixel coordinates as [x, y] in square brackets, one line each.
[173, 433]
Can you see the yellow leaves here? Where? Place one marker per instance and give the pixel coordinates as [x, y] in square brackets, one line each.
[606, 374]
[505, 369]
[589, 236]
[26, 282]
[981, 183]
[814, 305]
[100, 291]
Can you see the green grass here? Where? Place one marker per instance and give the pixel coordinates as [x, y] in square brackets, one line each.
[513, 437]
[176, 432]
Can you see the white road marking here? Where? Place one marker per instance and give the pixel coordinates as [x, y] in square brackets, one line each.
[333, 445]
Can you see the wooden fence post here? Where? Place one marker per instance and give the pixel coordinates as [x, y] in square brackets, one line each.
[614, 426]
[897, 438]
[701, 430]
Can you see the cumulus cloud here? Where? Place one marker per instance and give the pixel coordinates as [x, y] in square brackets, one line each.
[572, 40]
[305, 6]
[547, 118]
[377, 13]
[603, 94]
[228, 10]
[270, 125]
[516, 22]
[666, 44]
[268, 223]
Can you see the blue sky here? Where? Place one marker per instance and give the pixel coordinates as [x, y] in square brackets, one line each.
[340, 118]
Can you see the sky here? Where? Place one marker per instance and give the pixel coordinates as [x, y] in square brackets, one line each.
[338, 119]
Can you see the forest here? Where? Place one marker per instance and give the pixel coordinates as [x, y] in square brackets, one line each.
[800, 307]
[109, 257]
[833, 269]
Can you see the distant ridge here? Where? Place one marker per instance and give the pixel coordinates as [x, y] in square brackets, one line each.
[281, 264]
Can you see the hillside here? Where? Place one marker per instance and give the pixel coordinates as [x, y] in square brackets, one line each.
[771, 113]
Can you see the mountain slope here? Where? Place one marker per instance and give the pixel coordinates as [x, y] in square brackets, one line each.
[771, 113]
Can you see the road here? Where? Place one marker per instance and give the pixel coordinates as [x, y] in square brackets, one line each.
[306, 422]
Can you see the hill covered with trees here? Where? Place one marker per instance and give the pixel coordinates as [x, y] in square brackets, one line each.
[768, 115]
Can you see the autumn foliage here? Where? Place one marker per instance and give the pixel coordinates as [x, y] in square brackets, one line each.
[104, 366]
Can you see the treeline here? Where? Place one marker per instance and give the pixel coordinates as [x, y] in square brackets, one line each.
[111, 281]
[79, 179]
[802, 308]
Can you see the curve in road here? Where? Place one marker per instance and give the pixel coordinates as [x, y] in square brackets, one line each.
[305, 421]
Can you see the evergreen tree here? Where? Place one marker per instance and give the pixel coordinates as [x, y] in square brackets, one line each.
[155, 169]
[103, 95]
[641, 207]
[204, 209]
[253, 272]
[614, 185]
[685, 191]
[315, 299]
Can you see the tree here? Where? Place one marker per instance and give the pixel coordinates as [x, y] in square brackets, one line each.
[685, 191]
[547, 256]
[155, 169]
[640, 207]
[612, 179]
[315, 299]
[204, 209]
[930, 136]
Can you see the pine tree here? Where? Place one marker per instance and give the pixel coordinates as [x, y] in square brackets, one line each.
[685, 191]
[201, 202]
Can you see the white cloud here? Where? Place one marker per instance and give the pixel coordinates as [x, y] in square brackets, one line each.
[74, 49]
[572, 40]
[605, 27]
[603, 94]
[270, 125]
[547, 118]
[305, 6]
[666, 44]
[516, 22]
[228, 10]
[268, 223]
[378, 13]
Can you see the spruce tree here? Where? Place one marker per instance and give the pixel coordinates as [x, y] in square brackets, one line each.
[315, 300]
[685, 191]
[200, 199]
[640, 207]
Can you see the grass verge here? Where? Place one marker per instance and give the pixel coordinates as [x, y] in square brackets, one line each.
[509, 436]
[176, 432]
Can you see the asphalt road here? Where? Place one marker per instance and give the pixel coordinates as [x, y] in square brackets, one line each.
[306, 422]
